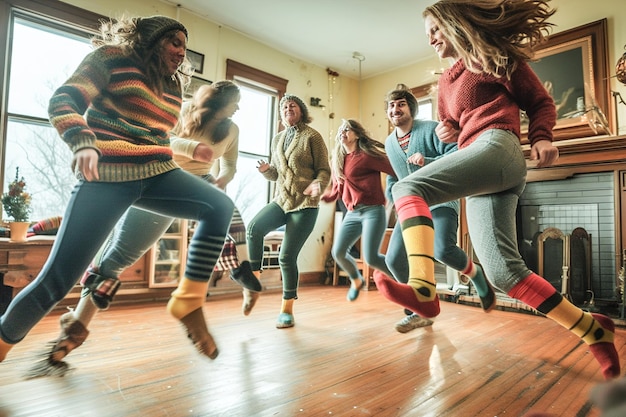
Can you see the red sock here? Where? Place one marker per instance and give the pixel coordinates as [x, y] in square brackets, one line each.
[605, 352]
[596, 330]
[405, 295]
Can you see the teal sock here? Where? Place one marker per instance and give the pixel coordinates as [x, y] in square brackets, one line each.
[476, 274]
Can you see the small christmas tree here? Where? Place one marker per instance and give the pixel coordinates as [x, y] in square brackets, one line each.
[16, 201]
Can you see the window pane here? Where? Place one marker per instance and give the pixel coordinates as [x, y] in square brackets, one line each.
[254, 118]
[42, 59]
[425, 110]
[44, 161]
[249, 189]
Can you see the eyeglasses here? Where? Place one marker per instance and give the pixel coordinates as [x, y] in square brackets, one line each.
[345, 129]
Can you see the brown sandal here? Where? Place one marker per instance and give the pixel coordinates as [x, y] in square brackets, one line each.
[197, 331]
[73, 334]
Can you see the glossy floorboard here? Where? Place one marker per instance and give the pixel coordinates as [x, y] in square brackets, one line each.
[341, 359]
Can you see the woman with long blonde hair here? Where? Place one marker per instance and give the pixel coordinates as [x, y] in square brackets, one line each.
[480, 96]
[357, 163]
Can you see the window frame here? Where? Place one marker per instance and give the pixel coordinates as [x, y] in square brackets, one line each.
[255, 78]
[59, 14]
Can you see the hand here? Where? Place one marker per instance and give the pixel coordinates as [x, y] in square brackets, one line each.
[221, 183]
[85, 161]
[446, 132]
[203, 153]
[314, 189]
[416, 159]
[262, 166]
[545, 152]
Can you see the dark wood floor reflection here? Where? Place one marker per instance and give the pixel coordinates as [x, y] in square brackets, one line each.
[341, 359]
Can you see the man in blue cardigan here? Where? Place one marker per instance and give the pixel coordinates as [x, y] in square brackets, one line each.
[411, 145]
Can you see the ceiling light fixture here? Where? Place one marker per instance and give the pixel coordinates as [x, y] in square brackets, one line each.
[359, 57]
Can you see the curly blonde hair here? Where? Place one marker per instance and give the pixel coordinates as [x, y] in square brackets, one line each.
[493, 36]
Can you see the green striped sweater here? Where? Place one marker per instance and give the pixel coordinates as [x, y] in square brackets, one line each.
[106, 105]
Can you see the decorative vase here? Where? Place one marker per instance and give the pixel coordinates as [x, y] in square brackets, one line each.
[18, 231]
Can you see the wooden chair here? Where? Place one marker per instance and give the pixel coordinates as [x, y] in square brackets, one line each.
[553, 258]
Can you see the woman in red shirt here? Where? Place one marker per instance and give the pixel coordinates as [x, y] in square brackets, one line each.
[357, 162]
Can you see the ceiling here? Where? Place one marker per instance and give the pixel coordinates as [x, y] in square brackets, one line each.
[327, 33]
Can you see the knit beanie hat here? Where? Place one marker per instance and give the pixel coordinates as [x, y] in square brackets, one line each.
[303, 108]
[153, 28]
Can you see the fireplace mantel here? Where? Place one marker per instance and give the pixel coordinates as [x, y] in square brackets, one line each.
[593, 154]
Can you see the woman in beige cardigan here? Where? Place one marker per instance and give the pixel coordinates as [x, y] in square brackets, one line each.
[299, 165]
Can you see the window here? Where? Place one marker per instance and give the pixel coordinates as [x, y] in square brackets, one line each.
[250, 190]
[42, 53]
[31, 143]
[425, 99]
[257, 119]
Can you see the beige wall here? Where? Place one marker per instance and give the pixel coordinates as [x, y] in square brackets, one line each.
[570, 14]
[305, 80]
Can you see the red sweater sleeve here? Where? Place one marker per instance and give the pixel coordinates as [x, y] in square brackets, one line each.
[363, 183]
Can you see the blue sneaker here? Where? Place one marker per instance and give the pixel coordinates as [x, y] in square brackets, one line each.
[284, 321]
[353, 293]
[488, 301]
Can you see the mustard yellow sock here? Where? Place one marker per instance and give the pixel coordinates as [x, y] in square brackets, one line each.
[579, 322]
[596, 330]
[189, 296]
[419, 243]
[287, 306]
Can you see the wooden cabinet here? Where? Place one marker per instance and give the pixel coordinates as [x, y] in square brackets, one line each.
[20, 262]
[169, 255]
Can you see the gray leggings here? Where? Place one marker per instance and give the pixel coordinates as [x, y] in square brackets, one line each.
[491, 172]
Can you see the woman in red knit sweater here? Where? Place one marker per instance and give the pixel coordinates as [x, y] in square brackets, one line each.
[357, 162]
[480, 97]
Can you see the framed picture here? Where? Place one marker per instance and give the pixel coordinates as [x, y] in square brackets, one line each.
[573, 66]
[193, 87]
[197, 60]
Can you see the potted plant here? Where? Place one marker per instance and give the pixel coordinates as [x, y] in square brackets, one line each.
[16, 203]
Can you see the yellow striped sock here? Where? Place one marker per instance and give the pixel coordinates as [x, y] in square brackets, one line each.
[419, 243]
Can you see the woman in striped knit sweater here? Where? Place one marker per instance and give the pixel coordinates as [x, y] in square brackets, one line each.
[205, 135]
[115, 113]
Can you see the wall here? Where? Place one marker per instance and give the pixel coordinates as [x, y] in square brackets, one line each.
[305, 80]
[570, 14]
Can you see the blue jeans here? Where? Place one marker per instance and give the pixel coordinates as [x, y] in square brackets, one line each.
[371, 223]
[298, 226]
[445, 224]
[92, 212]
[134, 235]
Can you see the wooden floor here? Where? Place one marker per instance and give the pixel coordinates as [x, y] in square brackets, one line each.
[341, 359]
